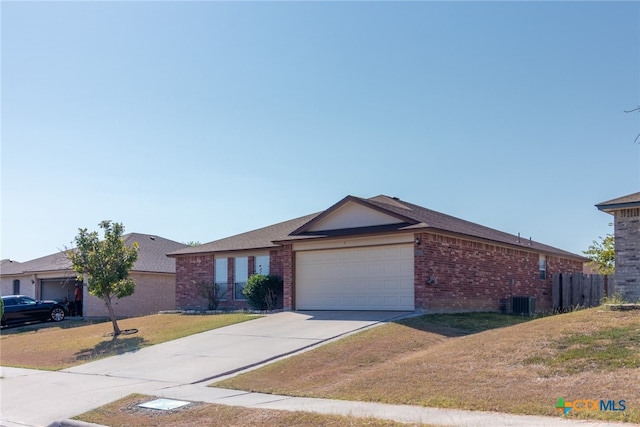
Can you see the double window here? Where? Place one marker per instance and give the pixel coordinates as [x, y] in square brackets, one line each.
[240, 274]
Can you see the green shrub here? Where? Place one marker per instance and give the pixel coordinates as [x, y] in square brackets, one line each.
[262, 291]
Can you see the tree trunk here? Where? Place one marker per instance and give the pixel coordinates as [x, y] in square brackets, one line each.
[112, 315]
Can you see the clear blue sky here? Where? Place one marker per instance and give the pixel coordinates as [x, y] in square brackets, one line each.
[200, 120]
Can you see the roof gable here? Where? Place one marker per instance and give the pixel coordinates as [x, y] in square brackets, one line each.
[352, 213]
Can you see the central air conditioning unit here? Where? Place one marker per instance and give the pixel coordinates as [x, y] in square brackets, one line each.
[523, 305]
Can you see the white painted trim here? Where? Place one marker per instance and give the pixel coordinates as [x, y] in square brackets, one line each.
[239, 254]
[354, 242]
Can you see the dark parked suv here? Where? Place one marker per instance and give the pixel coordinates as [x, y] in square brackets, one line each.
[21, 309]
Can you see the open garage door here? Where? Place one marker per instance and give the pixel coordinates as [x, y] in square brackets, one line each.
[58, 289]
[365, 278]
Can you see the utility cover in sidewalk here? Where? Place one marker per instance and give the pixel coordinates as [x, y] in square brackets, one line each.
[163, 404]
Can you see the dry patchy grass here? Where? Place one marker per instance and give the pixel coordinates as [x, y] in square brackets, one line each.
[126, 412]
[446, 361]
[54, 346]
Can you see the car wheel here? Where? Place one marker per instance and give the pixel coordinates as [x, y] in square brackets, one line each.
[57, 314]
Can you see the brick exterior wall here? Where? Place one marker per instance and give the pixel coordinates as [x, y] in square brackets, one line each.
[455, 275]
[191, 270]
[450, 274]
[154, 292]
[198, 268]
[627, 249]
[282, 264]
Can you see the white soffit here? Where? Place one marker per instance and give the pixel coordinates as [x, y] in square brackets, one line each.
[353, 215]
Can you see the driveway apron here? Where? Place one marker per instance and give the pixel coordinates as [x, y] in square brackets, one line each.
[36, 398]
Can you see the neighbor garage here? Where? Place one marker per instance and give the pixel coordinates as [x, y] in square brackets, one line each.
[363, 278]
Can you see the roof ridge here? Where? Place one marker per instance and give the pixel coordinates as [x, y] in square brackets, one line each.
[388, 200]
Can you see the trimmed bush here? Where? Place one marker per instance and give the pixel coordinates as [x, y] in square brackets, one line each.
[262, 291]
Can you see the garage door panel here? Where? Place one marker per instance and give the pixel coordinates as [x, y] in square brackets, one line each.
[372, 278]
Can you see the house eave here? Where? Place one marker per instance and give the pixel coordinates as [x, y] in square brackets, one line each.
[337, 236]
[224, 250]
[611, 208]
[523, 246]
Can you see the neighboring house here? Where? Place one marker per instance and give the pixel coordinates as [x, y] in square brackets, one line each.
[380, 253]
[626, 213]
[51, 277]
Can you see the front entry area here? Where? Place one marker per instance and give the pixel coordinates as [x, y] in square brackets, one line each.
[363, 278]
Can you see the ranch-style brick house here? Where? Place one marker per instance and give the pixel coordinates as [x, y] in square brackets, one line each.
[378, 253]
[51, 277]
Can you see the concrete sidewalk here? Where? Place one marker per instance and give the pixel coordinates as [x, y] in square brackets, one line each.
[74, 394]
[181, 369]
[401, 413]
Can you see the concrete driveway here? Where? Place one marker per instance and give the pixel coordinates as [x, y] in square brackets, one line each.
[222, 351]
[191, 360]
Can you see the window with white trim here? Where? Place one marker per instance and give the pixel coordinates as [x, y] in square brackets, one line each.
[241, 275]
[221, 278]
[542, 262]
[262, 264]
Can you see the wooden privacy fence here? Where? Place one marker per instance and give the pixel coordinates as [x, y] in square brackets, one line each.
[571, 290]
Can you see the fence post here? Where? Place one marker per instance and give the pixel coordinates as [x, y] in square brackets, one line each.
[588, 290]
[576, 291]
[556, 292]
[600, 289]
[565, 286]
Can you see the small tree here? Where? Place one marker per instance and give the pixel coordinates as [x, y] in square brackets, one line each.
[602, 254]
[105, 264]
[213, 292]
[262, 291]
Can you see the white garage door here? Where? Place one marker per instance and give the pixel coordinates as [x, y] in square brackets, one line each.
[370, 278]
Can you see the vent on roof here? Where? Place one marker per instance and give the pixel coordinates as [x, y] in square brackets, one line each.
[523, 305]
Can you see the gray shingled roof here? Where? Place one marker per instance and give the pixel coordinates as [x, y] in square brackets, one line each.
[415, 218]
[151, 257]
[261, 238]
[8, 265]
[631, 200]
[435, 220]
